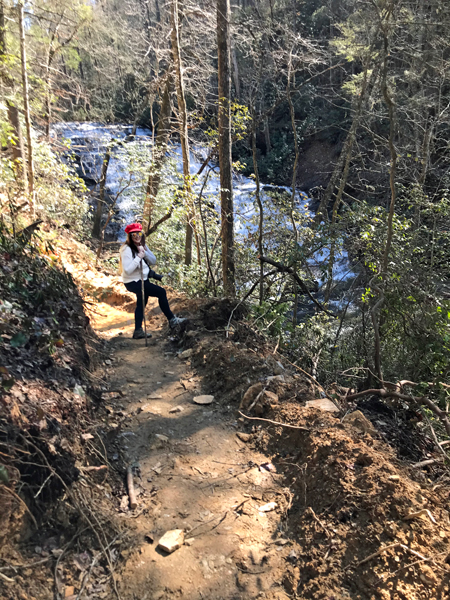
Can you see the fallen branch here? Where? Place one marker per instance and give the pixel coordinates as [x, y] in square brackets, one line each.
[26, 565]
[316, 518]
[8, 579]
[419, 513]
[89, 469]
[274, 422]
[222, 518]
[385, 549]
[424, 463]
[131, 492]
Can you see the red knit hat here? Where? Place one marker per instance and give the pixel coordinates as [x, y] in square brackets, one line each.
[133, 227]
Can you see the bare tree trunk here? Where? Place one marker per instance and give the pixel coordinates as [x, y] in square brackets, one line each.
[392, 128]
[267, 134]
[294, 185]
[237, 86]
[17, 148]
[226, 191]
[346, 154]
[26, 105]
[96, 228]
[343, 182]
[261, 211]
[182, 121]
[159, 154]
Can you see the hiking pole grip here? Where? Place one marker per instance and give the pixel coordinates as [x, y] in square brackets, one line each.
[143, 302]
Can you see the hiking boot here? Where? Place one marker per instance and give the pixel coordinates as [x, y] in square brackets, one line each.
[139, 334]
[176, 322]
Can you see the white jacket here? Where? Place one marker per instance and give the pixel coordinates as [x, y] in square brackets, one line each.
[131, 270]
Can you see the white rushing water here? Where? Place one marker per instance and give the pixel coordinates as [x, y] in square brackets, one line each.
[89, 141]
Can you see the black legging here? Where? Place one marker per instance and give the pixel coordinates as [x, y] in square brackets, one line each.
[150, 289]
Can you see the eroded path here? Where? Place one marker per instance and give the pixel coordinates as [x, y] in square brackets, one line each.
[202, 479]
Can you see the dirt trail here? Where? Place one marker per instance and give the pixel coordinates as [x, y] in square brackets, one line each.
[203, 479]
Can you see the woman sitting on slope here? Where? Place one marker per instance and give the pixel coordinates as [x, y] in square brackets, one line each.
[134, 256]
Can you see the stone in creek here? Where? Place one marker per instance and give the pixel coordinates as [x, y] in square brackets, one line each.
[171, 540]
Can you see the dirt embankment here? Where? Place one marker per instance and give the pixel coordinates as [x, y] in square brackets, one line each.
[288, 501]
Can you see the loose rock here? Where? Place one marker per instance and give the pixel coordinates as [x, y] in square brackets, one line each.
[357, 420]
[186, 354]
[250, 395]
[322, 404]
[171, 540]
[176, 409]
[205, 399]
[245, 437]
[268, 507]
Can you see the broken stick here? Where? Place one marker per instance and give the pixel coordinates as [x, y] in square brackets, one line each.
[131, 492]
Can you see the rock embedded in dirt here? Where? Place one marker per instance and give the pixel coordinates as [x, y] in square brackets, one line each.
[171, 540]
[176, 409]
[322, 404]
[205, 399]
[154, 396]
[186, 354]
[250, 395]
[245, 437]
[271, 396]
[276, 378]
[357, 420]
[268, 507]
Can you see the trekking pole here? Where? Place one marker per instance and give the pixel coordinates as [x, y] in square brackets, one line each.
[143, 303]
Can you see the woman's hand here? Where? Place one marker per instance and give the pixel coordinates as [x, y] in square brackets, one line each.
[141, 252]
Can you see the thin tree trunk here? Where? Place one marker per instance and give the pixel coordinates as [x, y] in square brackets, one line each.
[267, 135]
[182, 122]
[17, 148]
[159, 154]
[392, 128]
[342, 184]
[205, 233]
[26, 106]
[294, 185]
[226, 191]
[237, 86]
[261, 211]
[347, 149]
[96, 228]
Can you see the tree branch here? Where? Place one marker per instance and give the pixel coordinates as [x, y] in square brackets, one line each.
[301, 283]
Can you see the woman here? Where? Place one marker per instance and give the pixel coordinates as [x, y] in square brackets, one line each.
[135, 255]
